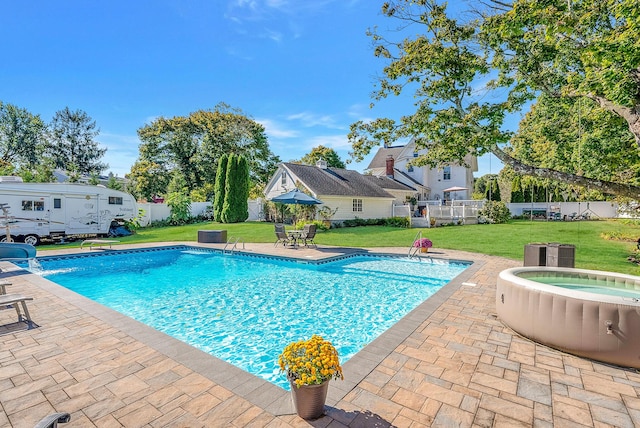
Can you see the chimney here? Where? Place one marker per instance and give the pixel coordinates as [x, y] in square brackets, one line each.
[390, 163]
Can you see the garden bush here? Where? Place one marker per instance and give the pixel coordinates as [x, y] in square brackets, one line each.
[495, 212]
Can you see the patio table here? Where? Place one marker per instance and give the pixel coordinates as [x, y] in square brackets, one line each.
[294, 235]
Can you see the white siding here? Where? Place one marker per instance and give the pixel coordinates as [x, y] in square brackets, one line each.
[371, 207]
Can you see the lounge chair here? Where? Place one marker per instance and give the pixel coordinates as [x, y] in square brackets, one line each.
[308, 233]
[281, 235]
[12, 300]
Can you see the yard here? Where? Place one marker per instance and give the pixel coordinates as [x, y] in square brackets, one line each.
[593, 251]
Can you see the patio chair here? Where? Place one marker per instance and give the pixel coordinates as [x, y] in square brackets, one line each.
[308, 233]
[53, 420]
[281, 235]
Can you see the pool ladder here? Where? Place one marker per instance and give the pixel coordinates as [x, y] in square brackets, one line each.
[234, 247]
[413, 251]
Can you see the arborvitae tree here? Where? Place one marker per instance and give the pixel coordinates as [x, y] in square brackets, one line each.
[235, 208]
[243, 188]
[227, 215]
[219, 189]
[516, 193]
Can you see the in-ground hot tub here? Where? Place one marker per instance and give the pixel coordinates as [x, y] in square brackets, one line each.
[588, 313]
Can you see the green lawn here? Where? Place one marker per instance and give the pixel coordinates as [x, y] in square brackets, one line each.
[506, 240]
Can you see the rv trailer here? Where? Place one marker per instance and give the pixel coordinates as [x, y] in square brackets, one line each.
[35, 211]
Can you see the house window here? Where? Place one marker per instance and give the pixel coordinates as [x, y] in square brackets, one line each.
[447, 173]
[409, 168]
[57, 203]
[283, 178]
[415, 154]
[357, 205]
[115, 200]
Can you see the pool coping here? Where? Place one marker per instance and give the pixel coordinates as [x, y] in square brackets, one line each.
[254, 389]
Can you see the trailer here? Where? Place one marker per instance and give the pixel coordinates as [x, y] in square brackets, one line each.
[32, 212]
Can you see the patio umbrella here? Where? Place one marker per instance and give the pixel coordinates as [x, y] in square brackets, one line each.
[296, 197]
[455, 189]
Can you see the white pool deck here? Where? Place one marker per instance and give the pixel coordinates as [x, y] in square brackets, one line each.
[450, 362]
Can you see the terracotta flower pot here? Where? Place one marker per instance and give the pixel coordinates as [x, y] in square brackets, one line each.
[424, 249]
[309, 399]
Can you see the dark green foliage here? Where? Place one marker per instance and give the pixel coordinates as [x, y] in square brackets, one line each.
[73, 145]
[487, 187]
[236, 191]
[392, 222]
[242, 187]
[219, 189]
[21, 136]
[178, 200]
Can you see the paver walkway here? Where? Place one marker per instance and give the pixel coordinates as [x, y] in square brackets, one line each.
[449, 363]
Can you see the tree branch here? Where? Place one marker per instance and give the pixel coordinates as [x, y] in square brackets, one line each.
[579, 180]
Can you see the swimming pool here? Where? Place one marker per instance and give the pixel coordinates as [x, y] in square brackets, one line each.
[244, 309]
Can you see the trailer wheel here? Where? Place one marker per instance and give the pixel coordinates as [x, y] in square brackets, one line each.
[32, 240]
[4, 239]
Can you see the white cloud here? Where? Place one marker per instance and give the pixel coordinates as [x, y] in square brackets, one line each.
[336, 142]
[276, 36]
[309, 120]
[275, 130]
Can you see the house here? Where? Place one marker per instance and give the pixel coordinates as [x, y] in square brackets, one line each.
[352, 193]
[62, 176]
[431, 183]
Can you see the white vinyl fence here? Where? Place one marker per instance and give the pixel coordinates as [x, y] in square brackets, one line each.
[565, 210]
[156, 212]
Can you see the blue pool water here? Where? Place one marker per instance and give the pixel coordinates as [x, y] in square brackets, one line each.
[246, 309]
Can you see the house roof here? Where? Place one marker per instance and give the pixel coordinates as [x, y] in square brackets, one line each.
[389, 183]
[336, 181]
[380, 159]
[408, 177]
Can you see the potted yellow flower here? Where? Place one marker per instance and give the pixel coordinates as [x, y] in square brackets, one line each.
[310, 365]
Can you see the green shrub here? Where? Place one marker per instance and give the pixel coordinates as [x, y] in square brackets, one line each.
[397, 222]
[392, 222]
[180, 206]
[495, 212]
[319, 224]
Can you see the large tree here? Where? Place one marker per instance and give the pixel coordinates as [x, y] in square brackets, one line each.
[195, 143]
[323, 153]
[22, 137]
[576, 135]
[148, 179]
[72, 142]
[467, 75]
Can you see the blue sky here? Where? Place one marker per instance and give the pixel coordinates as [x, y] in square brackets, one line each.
[304, 69]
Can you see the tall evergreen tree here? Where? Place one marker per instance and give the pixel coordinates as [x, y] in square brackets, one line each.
[219, 189]
[227, 215]
[235, 208]
[243, 189]
[73, 146]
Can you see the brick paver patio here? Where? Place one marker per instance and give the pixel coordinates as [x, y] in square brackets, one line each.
[448, 363]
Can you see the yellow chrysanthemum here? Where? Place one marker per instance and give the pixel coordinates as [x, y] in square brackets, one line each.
[309, 362]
